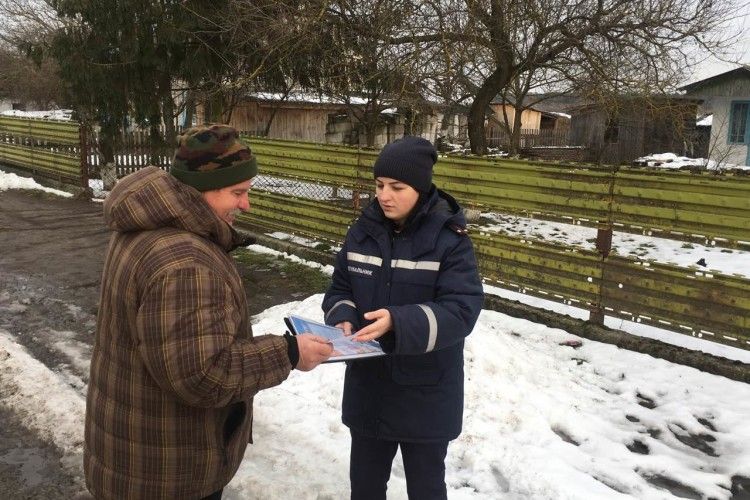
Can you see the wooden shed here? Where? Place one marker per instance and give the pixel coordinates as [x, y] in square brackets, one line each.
[635, 126]
[299, 117]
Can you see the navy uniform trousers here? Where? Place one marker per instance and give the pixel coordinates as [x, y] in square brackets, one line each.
[371, 461]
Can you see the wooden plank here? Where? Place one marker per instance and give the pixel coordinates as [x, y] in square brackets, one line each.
[58, 132]
[24, 156]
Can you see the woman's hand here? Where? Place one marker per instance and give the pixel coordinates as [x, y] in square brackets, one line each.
[381, 325]
[346, 326]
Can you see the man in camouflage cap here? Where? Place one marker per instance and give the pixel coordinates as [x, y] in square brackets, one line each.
[212, 157]
[213, 161]
[175, 364]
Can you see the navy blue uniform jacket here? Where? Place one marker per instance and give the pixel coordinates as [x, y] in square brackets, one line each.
[427, 277]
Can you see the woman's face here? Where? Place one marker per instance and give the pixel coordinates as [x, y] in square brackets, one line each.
[395, 198]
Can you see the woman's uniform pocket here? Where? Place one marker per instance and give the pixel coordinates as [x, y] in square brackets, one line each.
[422, 369]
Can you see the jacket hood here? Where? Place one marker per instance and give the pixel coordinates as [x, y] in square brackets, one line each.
[437, 210]
[152, 199]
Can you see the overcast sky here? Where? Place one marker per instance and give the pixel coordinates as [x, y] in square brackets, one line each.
[740, 51]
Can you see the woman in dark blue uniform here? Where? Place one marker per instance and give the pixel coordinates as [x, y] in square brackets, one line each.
[407, 277]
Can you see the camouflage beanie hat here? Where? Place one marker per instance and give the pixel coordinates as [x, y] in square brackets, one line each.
[212, 157]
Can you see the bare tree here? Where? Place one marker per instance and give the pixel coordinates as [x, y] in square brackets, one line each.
[622, 45]
[27, 73]
[361, 69]
[28, 82]
[336, 49]
[27, 23]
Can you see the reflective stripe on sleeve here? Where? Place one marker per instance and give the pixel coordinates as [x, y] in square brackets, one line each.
[432, 322]
[339, 303]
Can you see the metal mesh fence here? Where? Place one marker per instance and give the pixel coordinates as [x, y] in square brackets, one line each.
[341, 196]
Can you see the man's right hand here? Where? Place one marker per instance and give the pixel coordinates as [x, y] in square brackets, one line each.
[313, 350]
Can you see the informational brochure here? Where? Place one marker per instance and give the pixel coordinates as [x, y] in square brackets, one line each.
[344, 348]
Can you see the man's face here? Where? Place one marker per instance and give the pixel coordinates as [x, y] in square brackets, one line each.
[229, 201]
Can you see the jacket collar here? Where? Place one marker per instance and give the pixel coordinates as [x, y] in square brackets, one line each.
[423, 227]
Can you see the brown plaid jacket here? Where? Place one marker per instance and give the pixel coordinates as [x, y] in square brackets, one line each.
[174, 365]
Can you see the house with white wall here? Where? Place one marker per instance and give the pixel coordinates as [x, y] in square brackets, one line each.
[727, 97]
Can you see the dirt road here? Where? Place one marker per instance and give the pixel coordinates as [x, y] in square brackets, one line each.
[51, 255]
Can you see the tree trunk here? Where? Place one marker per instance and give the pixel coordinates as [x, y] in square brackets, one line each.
[170, 133]
[108, 169]
[275, 110]
[489, 89]
[515, 137]
[409, 122]
[213, 110]
[189, 109]
[371, 122]
[370, 130]
[156, 146]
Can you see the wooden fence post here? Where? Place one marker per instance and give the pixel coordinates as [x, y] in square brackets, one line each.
[355, 191]
[603, 246]
[83, 140]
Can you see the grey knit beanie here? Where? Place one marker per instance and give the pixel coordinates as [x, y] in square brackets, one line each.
[409, 160]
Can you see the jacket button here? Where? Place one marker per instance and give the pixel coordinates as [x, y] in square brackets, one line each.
[388, 284]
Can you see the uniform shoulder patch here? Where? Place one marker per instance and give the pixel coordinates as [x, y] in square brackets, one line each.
[458, 229]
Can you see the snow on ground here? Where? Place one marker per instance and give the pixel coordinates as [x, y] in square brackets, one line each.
[671, 161]
[324, 268]
[52, 114]
[304, 97]
[453, 149]
[637, 246]
[542, 421]
[12, 181]
[97, 189]
[44, 399]
[643, 247]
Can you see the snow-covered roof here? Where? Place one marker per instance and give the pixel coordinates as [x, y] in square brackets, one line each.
[557, 113]
[706, 121]
[303, 97]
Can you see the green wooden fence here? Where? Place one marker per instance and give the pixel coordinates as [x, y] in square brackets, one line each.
[50, 148]
[709, 208]
[316, 190]
[672, 204]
